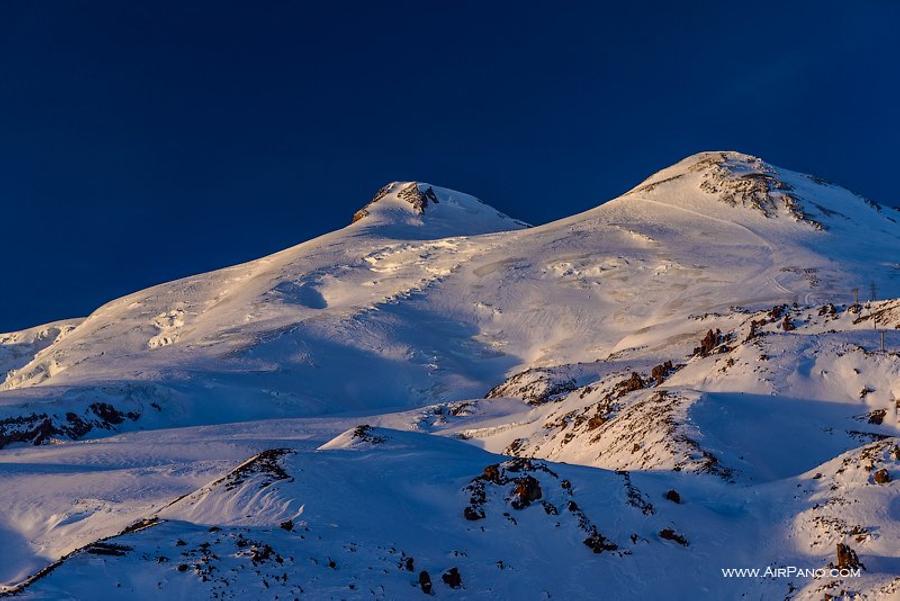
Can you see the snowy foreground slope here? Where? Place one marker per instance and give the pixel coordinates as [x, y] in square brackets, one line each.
[439, 399]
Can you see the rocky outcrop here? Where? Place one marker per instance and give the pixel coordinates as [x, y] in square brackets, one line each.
[41, 428]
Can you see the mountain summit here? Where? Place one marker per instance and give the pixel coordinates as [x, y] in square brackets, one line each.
[414, 208]
[711, 180]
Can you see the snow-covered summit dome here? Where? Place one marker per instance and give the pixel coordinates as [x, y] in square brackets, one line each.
[431, 210]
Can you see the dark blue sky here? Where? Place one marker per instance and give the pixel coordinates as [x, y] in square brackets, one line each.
[143, 143]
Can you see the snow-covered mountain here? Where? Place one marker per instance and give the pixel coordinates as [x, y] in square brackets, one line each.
[705, 352]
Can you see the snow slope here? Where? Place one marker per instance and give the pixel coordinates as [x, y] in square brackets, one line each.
[698, 334]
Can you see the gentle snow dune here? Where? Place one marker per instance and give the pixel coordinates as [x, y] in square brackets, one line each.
[318, 423]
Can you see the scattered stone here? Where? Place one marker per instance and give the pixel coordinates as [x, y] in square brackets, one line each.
[828, 310]
[452, 578]
[881, 476]
[595, 422]
[425, 582]
[598, 543]
[473, 513]
[672, 495]
[877, 416]
[777, 311]
[287, 525]
[669, 534]
[661, 372]
[491, 473]
[632, 383]
[709, 343]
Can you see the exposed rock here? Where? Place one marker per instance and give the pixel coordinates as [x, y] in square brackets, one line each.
[672, 495]
[102, 548]
[452, 578]
[787, 325]
[491, 473]
[661, 372]
[669, 534]
[881, 476]
[751, 183]
[598, 543]
[266, 463]
[847, 558]
[41, 428]
[595, 422]
[527, 490]
[877, 416]
[407, 563]
[709, 343]
[535, 386]
[473, 513]
[828, 310]
[634, 382]
[425, 582]
[363, 433]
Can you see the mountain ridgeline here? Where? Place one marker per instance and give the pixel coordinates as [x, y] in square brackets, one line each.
[704, 367]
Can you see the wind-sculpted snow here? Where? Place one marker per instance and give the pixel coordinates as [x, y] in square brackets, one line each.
[438, 400]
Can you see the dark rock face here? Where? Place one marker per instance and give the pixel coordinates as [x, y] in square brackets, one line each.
[877, 416]
[660, 372]
[452, 578]
[847, 558]
[527, 490]
[411, 193]
[425, 582]
[40, 428]
[709, 343]
[673, 496]
[492, 473]
[632, 383]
